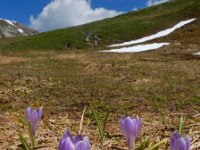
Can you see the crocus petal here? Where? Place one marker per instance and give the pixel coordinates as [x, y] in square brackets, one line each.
[128, 129]
[86, 143]
[136, 128]
[173, 140]
[80, 145]
[122, 120]
[34, 120]
[68, 145]
[78, 138]
[187, 140]
[34, 117]
[180, 144]
[176, 135]
[67, 134]
[62, 144]
[172, 143]
[28, 114]
[124, 129]
[133, 127]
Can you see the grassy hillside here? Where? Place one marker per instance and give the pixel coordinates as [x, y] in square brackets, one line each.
[121, 28]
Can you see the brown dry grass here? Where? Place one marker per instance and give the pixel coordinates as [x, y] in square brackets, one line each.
[9, 59]
[52, 126]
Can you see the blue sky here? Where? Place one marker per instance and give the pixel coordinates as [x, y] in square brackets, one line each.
[21, 10]
[32, 12]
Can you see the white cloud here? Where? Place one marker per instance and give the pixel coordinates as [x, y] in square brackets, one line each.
[65, 13]
[135, 9]
[155, 2]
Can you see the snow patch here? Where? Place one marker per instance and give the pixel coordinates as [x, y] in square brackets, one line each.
[20, 30]
[137, 48]
[196, 54]
[157, 35]
[9, 22]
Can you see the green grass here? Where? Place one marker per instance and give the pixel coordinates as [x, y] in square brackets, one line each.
[121, 28]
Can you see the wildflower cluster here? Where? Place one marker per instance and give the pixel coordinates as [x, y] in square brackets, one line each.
[130, 128]
[79, 142]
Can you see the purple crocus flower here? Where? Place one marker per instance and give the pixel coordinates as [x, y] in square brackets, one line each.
[130, 129]
[179, 143]
[33, 117]
[67, 142]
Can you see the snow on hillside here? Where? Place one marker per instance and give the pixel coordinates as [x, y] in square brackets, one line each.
[12, 24]
[137, 48]
[157, 35]
[9, 22]
[9, 28]
[147, 47]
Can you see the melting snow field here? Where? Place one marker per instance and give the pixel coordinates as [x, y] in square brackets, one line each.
[147, 47]
[137, 48]
[154, 36]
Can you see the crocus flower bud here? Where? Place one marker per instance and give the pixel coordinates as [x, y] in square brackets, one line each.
[67, 142]
[33, 117]
[179, 143]
[130, 129]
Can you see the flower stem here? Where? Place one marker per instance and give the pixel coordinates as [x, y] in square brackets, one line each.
[132, 144]
[31, 136]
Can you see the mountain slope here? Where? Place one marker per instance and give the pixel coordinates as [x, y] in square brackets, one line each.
[11, 29]
[125, 27]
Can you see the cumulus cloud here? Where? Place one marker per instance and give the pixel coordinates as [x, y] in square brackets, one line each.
[155, 2]
[66, 13]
